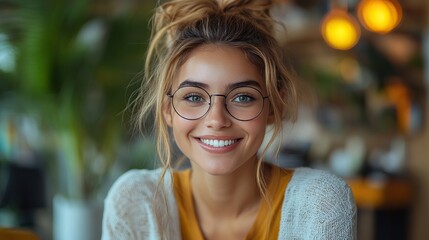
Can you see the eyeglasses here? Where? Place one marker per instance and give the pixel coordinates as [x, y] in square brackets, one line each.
[242, 103]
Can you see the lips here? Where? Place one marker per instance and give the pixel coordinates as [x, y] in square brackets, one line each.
[218, 143]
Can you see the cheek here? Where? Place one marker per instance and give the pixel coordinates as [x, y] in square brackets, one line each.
[182, 130]
[181, 127]
[258, 131]
[257, 127]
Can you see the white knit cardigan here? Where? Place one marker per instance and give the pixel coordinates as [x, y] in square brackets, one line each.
[317, 205]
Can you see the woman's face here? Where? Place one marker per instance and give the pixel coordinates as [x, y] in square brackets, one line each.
[217, 143]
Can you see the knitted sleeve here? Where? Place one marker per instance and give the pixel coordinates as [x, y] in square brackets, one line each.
[318, 205]
[129, 207]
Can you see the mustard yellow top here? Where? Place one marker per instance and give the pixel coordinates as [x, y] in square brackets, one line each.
[262, 227]
[17, 234]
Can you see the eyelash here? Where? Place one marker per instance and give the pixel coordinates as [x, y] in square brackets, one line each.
[192, 95]
[247, 96]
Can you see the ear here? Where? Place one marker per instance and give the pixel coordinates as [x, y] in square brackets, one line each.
[166, 112]
[271, 118]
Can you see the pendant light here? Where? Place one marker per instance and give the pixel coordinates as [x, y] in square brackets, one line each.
[340, 30]
[380, 16]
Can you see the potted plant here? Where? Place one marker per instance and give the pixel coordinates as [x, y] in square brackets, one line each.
[78, 57]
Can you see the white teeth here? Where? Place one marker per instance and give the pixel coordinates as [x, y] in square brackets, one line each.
[218, 143]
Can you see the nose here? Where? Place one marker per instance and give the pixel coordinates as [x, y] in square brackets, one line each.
[217, 116]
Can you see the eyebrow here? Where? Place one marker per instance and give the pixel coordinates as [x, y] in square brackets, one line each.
[189, 83]
[245, 83]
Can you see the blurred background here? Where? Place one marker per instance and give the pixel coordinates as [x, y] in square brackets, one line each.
[69, 69]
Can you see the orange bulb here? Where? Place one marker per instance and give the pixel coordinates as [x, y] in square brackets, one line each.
[340, 30]
[380, 16]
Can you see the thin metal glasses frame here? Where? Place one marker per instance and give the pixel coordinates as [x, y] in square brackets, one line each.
[225, 103]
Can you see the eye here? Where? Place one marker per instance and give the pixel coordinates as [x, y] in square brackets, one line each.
[194, 98]
[243, 98]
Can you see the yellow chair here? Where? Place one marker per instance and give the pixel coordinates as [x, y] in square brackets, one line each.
[17, 234]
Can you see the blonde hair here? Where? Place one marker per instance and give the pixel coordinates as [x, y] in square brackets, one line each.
[180, 26]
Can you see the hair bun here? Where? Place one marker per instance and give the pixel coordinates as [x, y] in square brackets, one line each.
[175, 15]
[257, 11]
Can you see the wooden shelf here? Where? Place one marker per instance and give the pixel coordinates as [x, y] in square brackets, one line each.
[388, 194]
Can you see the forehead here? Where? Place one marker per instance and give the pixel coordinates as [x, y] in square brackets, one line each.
[217, 67]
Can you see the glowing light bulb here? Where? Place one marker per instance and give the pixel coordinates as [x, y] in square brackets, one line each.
[380, 16]
[340, 30]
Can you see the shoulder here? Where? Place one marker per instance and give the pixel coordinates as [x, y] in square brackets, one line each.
[318, 182]
[129, 205]
[135, 182]
[316, 187]
[319, 203]
[135, 189]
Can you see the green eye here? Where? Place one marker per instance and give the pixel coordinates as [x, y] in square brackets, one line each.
[194, 98]
[243, 99]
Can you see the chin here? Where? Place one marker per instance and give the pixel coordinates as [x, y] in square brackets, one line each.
[218, 168]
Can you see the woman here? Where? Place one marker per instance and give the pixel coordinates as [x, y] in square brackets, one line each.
[215, 80]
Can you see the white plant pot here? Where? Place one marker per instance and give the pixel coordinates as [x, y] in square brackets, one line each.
[75, 219]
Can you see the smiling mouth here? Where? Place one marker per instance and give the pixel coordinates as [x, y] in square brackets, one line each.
[218, 143]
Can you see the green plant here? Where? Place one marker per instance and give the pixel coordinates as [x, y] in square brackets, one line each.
[75, 60]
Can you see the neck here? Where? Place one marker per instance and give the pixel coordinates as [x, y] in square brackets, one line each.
[227, 195]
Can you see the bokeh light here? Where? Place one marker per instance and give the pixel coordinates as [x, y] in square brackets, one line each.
[380, 16]
[340, 30]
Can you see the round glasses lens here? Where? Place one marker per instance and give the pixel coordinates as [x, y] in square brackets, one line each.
[191, 102]
[245, 103]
